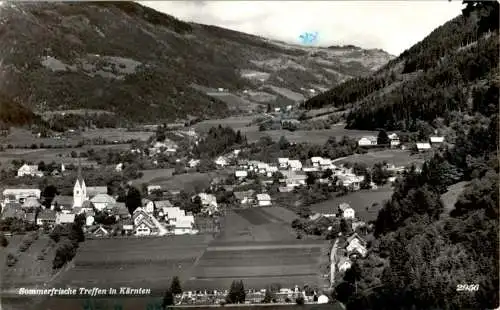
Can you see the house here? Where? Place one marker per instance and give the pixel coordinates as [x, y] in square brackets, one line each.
[283, 162]
[221, 161]
[356, 245]
[46, 217]
[356, 225]
[64, 218]
[293, 179]
[102, 201]
[128, 227]
[185, 225]
[424, 146]
[394, 140]
[344, 264]
[436, 140]
[346, 211]
[367, 141]
[143, 224]
[295, 165]
[193, 163]
[120, 211]
[11, 195]
[325, 163]
[161, 204]
[245, 197]
[29, 170]
[350, 181]
[31, 202]
[271, 169]
[285, 189]
[264, 200]
[277, 109]
[100, 232]
[119, 167]
[148, 205]
[241, 174]
[315, 161]
[62, 201]
[262, 167]
[153, 188]
[208, 203]
[171, 214]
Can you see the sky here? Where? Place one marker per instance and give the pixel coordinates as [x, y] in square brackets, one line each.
[393, 26]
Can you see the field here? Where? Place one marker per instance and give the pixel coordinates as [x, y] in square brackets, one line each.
[59, 155]
[257, 224]
[154, 174]
[259, 264]
[396, 157]
[136, 262]
[253, 134]
[118, 134]
[358, 201]
[28, 270]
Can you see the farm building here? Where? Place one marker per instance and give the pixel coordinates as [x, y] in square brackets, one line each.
[424, 146]
[148, 205]
[61, 201]
[293, 178]
[344, 264]
[295, 165]
[436, 140]
[245, 197]
[46, 217]
[367, 141]
[356, 245]
[241, 174]
[29, 170]
[394, 138]
[11, 195]
[64, 218]
[221, 161]
[283, 163]
[153, 188]
[102, 201]
[264, 200]
[31, 202]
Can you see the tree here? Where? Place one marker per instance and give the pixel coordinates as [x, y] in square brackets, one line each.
[48, 193]
[300, 300]
[3, 241]
[64, 253]
[168, 299]
[283, 143]
[328, 173]
[268, 110]
[353, 274]
[76, 234]
[311, 178]
[236, 293]
[56, 233]
[42, 166]
[345, 227]
[383, 138]
[379, 174]
[133, 199]
[175, 287]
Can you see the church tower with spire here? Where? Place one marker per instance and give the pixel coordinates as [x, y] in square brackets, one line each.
[80, 189]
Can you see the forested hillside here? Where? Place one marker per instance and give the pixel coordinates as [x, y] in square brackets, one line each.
[434, 79]
[422, 253]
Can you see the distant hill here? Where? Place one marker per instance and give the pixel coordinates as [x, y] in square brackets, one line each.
[128, 59]
[447, 72]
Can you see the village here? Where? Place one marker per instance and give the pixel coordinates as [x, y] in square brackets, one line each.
[247, 184]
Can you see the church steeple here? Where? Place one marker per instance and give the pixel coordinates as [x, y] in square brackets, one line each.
[80, 189]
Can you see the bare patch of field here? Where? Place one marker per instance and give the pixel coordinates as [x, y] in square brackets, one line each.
[450, 198]
[287, 93]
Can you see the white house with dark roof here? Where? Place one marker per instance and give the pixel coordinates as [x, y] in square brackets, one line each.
[436, 140]
[294, 165]
[283, 162]
[346, 211]
[29, 170]
[65, 218]
[423, 146]
[263, 200]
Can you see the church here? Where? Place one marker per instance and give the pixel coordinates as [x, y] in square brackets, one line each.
[79, 190]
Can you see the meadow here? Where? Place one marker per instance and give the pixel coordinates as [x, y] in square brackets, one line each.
[361, 201]
[135, 262]
[396, 157]
[154, 174]
[259, 264]
[117, 134]
[257, 224]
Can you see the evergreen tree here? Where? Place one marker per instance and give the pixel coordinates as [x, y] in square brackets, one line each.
[175, 287]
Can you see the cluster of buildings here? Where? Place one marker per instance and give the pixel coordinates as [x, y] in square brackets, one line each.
[149, 219]
[395, 142]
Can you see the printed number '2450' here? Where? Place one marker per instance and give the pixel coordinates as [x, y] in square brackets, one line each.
[467, 287]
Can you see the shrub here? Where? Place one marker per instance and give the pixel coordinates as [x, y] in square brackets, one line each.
[11, 260]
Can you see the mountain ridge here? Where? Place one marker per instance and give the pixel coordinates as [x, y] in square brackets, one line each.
[140, 64]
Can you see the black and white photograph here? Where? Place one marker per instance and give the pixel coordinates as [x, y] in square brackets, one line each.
[249, 155]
